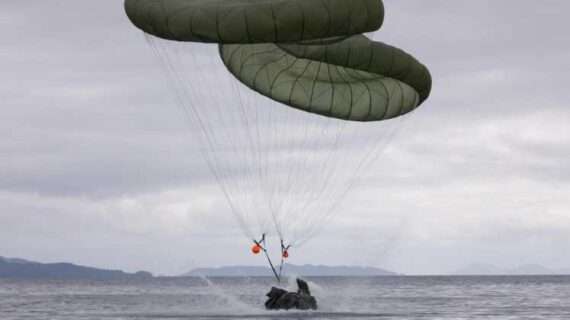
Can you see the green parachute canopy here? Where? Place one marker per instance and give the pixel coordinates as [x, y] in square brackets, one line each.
[355, 79]
[283, 172]
[254, 21]
[308, 54]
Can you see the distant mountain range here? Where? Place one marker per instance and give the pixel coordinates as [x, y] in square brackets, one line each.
[290, 269]
[14, 268]
[528, 269]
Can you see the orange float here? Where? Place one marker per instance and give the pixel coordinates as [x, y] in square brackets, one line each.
[256, 249]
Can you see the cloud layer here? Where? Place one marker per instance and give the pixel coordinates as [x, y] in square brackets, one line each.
[98, 166]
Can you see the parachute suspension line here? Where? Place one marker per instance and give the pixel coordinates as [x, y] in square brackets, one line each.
[239, 150]
[254, 139]
[250, 153]
[244, 185]
[272, 179]
[297, 192]
[192, 116]
[259, 161]
[370, 157]
[330, 168]
[282, 190]
[335, 169]
[278, 189]
[284, 254]
[262, 244]
[280, 169]
[337, 197]
[322, 176]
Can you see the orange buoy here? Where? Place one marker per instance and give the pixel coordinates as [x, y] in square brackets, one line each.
[285, 254]
[256, 249]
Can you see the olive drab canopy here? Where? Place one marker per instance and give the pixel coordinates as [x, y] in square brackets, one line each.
[361, 53]
[308, 54]
[355, 79]
[283, 173]
[254, 21]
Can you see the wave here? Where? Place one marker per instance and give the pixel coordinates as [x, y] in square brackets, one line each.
[263, 315]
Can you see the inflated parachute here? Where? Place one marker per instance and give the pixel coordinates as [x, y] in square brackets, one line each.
[316, 103]
[352, 79]
[254, 21]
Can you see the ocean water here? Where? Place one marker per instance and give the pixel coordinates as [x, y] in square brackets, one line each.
[523, 297]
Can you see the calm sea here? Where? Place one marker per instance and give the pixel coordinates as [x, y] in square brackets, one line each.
[525, 297]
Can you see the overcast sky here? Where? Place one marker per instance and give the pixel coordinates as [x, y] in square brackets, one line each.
[96, 166]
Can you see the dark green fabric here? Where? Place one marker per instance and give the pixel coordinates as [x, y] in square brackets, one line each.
[254, 21]
[361, 53]
[355, 79]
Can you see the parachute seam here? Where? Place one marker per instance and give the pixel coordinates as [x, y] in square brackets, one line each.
[172, 16]
[331, 82]
[275, 28]
[402, 102]
[329, 18]
[264, 66]
[392, 61]
[349, 24]
[167, 18]
[329, 14]
[148, 15]
[245, 61]
[369, 94]
[372, 56]
[349, 86]
[246, 22]
[280, 73]
[402, 76]
[302, 19]
[387, 98]
[218, 33]
[367, 15]
[223, 16]
[297, 78]
[313, 87]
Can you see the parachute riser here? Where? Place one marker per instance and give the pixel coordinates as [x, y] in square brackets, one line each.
[261, 244]
[284, 254]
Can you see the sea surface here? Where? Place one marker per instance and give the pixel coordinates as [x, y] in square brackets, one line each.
[498, 297]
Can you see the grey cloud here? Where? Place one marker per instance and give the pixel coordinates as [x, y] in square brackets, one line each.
[89, 123]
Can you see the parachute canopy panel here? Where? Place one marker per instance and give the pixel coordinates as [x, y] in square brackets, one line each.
[254, 21]
[355, 79]
[361, 53]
